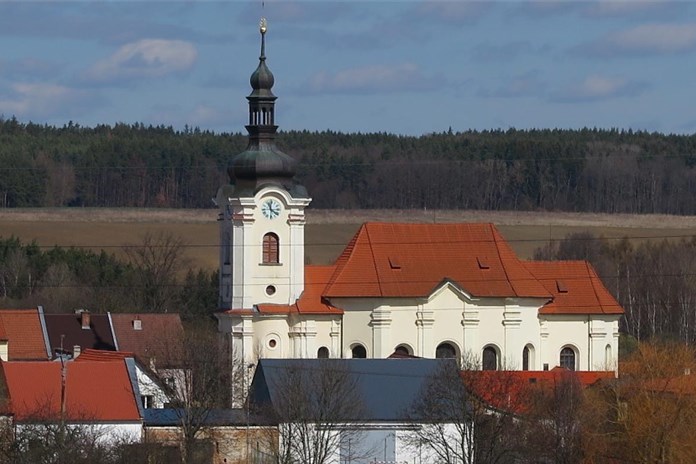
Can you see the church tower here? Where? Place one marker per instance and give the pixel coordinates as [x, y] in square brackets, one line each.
[262, 211]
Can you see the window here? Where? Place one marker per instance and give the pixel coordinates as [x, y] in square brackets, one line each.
[146, 400]
[490, 359]
[358, 351]
[525, 358]
[445, 350]
[270, 249]
[528, 358]
[568, 358]
[323, 353]
[608, 358]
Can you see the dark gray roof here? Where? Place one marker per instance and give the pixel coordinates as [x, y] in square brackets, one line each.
[388, 387]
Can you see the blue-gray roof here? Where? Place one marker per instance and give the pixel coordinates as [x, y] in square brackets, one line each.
[388, 388]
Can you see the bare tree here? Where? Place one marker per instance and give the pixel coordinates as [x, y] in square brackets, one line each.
[469, 415]
[315, 405]
[200, 385]
[157, 259]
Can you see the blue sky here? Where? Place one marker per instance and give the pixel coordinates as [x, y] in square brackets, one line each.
[406, 67]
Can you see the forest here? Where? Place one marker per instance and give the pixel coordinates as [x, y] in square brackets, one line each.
[587, 170]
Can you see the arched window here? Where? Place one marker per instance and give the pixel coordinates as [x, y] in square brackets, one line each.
[608, 358]
[445, 350]
[402, 350]
[270, 249]
[528, 358]
[490, 359]
[358, 351]
[323, 353]
[568, 358]
[525, 358]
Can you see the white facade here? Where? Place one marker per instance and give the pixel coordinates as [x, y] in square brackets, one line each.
[470, 325]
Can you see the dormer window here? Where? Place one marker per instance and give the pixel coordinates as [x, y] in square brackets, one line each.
[270, 249]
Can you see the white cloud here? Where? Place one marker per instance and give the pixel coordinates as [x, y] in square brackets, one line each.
[146, 58]
[654, 39]
[371, 79]
[597, 87]
[40, 100]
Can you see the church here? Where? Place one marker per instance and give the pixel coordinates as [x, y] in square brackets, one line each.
[404, 289]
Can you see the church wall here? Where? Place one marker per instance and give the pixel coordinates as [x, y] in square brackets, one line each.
[597, 337]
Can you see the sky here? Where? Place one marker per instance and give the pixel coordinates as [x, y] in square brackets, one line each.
[405, 67]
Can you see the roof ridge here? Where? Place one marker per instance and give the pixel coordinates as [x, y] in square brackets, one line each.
[374, 263]
[592, 284]
[492, 230]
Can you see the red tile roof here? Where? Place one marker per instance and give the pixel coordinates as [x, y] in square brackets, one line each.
[159, 339]
[575, 287]
[94, 391]
[509, 390]
[103, 356]
[22, 328]
[411, 260]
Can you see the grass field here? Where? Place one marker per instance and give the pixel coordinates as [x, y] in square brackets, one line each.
[327, 231]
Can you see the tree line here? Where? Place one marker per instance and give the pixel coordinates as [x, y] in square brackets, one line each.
[135, 165]
[147, 279]
[653, 280]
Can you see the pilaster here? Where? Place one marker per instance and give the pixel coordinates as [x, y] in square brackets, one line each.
[381, 333]
[424, 322]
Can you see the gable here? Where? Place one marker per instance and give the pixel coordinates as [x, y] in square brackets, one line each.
[411, 260]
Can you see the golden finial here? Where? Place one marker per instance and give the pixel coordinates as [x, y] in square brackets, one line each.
[263, 26]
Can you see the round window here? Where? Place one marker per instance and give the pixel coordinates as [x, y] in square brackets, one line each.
[270, 290]
[272, 343]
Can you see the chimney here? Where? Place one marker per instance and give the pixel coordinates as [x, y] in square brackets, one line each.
[137, 324]
[85, 319]
[76, 351]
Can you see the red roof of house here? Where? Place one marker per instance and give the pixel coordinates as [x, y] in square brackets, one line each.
[575, 286]
[103, 356]
[508, 390]
[311, 301]
[94, 391]
[158, 339]
[22, 328]
[411, 260]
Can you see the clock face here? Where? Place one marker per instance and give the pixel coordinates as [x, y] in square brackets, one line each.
[270, 209]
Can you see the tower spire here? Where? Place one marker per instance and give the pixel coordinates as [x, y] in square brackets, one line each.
[262, 162]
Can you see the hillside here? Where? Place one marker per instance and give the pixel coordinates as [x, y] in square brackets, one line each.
[327, 231]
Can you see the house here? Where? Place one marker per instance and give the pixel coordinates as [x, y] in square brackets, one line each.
[429, 290]
[100, 396]
[23, 335]
[156, 340]
[152, 391]
[356, 410]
